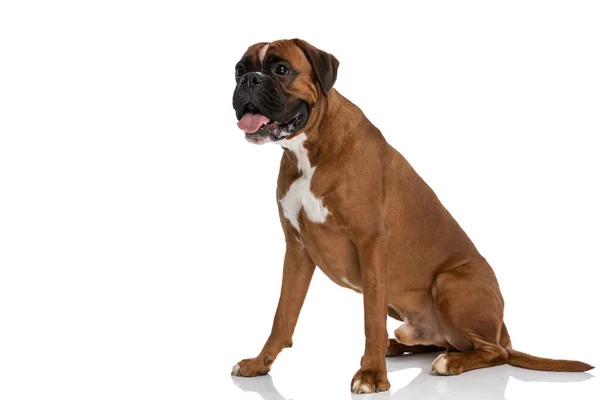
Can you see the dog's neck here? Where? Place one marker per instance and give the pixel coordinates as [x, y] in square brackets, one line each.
[335, 124]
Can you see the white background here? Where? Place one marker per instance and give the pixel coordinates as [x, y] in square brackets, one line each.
[140, 247]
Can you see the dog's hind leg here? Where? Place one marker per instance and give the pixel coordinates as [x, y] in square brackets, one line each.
[397, 349]
[470, 310]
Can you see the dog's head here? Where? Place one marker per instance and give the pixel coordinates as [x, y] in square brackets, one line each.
[278, 85]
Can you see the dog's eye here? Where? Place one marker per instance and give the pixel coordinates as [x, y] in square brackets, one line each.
[281, 69]
[239, 71]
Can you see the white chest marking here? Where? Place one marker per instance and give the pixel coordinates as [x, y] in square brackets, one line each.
[299, 195]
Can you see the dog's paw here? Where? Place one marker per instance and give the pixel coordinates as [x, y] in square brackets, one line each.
[369, 381]
[252, 367]
[444, 364]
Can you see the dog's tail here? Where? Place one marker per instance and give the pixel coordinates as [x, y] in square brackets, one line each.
[524, 360]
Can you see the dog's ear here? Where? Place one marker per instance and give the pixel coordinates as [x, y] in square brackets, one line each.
[324, 64]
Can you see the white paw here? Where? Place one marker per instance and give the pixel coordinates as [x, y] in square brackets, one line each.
[236, 369]
[359, 387]
[439, 366]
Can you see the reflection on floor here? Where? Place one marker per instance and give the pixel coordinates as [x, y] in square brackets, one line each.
[488, 383]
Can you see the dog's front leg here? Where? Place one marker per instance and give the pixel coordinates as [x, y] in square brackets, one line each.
[373, 258]
[298, 270]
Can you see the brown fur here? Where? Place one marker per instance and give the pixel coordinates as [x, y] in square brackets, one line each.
[387, 234]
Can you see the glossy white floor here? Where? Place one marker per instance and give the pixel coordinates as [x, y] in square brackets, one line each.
[411, 379]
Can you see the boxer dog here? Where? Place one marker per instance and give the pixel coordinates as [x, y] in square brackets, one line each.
[351, 204]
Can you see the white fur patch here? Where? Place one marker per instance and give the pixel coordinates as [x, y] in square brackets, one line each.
[236, 369]
[299, 195]
[263, 51]
[439, 366]
[359, 387]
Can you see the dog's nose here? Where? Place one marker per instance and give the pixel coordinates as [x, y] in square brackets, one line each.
[252, 79]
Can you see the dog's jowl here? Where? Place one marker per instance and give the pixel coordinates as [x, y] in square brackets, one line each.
[350, 204]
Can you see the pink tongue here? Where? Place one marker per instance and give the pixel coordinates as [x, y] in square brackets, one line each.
[250, 123]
